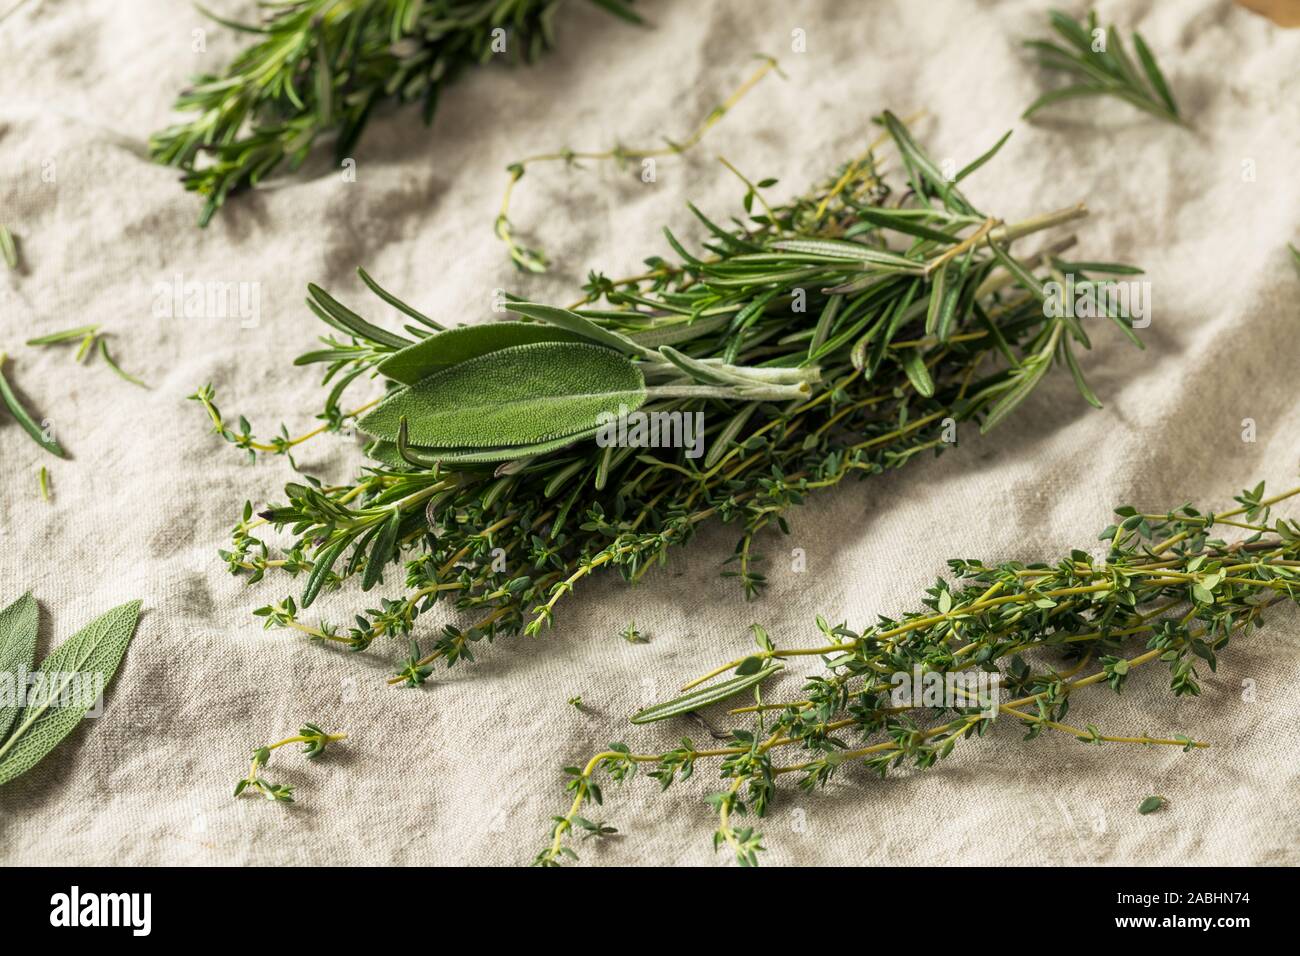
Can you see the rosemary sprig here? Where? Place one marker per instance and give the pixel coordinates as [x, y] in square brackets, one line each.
[899, 319]
[321, 67]
[1168, 592]
[532, 259]
[1098, 65]
[314, 740]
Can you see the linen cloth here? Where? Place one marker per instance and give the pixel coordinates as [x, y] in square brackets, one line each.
[467, 769]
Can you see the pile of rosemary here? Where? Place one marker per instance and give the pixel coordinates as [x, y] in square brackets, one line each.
[842, 333]
[321, 67]
[1168, 592]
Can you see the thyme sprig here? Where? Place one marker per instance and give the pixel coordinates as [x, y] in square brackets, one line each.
[1098, 65]
[533, 259]
[903, 313]
[314, 740]
[1168, 592]
[321, 67]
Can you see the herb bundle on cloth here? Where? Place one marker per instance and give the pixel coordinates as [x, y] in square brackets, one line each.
[844, 333]
[468, 773]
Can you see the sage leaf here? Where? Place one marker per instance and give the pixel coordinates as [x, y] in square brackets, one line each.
[17, 653]
[703, 696]
[24, 418]
[440, 351]
[390, 453]
[85, 661]
[522, 395]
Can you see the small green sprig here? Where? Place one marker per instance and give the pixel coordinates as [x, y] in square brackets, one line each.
[1098, 65]
[632, 635]
[314, 740]
[1168, 592]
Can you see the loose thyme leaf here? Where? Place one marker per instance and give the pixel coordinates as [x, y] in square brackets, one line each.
[18, 623]
[1151, 805]
[74, 675]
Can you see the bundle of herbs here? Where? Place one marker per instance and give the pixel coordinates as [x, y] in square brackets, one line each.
[321, 67]
[842, 333]
[1168, 592]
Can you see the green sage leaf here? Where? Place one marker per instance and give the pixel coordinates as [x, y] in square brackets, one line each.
[440, 351]
[91, 655]
[522, 395]
[17, 654]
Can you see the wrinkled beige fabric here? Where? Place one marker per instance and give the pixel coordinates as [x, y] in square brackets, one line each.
[467, 770]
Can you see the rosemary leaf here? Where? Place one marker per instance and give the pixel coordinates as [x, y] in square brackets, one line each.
[24, 418]
[18, 624]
